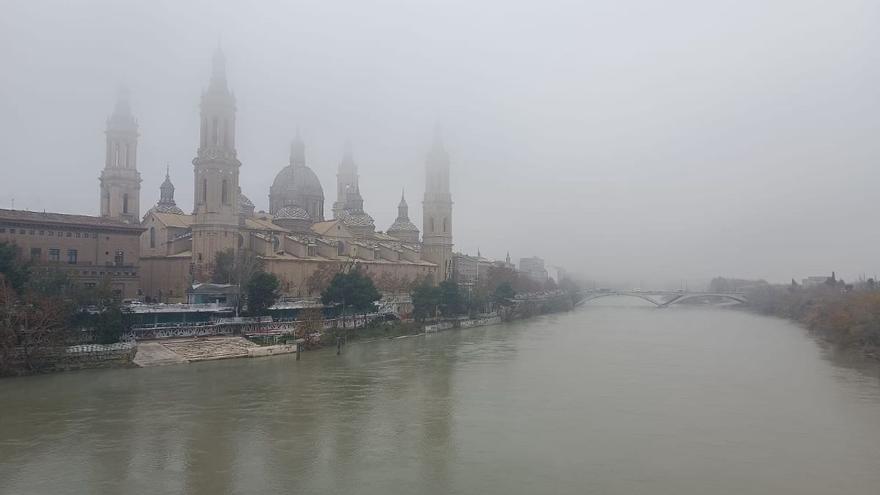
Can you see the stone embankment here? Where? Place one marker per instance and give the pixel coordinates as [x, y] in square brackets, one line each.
[22, 361]
[190, 350]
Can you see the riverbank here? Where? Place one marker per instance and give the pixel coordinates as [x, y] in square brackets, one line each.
[849, 319]
[171, 351]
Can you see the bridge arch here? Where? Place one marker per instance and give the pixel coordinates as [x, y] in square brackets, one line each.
[600, 295]
[665, 299]
[684, 297]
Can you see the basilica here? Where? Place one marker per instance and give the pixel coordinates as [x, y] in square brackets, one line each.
[294, 240]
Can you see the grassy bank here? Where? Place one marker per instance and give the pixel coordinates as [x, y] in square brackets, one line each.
[849, 318]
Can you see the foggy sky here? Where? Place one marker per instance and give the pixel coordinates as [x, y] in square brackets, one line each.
[637, 141]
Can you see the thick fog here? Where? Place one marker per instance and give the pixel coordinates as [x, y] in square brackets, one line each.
[635, 141]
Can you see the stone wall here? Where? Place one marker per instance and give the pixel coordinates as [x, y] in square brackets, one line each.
[87, 356]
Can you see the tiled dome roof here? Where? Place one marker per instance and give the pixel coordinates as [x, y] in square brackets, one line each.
[356, 219]
[167, 208]
[292, 213]
[403, 225]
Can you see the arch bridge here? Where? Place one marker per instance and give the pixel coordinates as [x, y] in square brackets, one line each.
[664, 299]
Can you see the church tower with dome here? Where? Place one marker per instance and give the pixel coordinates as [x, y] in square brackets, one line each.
[403, 228]
[437, 210]
[215, 226]
[166, 202]
[296, 188]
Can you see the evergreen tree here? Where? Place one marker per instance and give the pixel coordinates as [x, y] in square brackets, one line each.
[353, 290]
[262, 292]
[425, 299]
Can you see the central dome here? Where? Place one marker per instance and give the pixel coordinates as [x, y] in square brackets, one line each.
[297, 180]
[297, 185]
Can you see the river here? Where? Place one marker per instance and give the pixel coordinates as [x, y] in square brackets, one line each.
[615, 398]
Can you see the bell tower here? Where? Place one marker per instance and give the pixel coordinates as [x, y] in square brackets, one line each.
[346, 178]
[215, 174]
[120, 181]
[437, 210]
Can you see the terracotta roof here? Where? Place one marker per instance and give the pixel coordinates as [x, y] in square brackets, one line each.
[260, 224]
[65, 219]
[321, 228]
[174, 220]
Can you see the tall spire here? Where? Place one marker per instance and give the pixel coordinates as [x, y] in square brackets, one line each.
[120, 180]
[122, 119]
[347, 164]
[402, 207]
[166, 190]
[437, 210]
[438, 137]
[346, 178]
[215, 174]
[218, 70]
[297, 151]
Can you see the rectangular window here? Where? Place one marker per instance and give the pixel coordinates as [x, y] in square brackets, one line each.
[60, 234]
[119, 259]
[69, 234]
[42, 232]
[90, 285]
[36, 254]
[77, 235]
[51, 233]
[54, 254]
[2, 230]
[71, 256]
[94, 235]
[31, 232]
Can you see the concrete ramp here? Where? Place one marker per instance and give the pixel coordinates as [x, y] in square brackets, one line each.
[156, 354]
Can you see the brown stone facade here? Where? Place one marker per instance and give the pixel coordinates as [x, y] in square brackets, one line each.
[89, 248]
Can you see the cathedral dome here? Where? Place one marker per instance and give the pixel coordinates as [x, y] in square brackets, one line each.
[297, 185]
[297, 180]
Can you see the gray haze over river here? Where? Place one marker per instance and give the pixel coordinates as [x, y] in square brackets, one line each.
[606, 399]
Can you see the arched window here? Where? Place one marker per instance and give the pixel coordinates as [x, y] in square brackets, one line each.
[444, 225]
[224, 193]
[204, 135]
[127, 156]
[216, 130]
[227, 134]
[125, 203]
[152, 237]
[204, 191]
[340, 248]
[117, 156]
[431, 224]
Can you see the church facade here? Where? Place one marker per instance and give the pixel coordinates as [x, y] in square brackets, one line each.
[293, 240]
